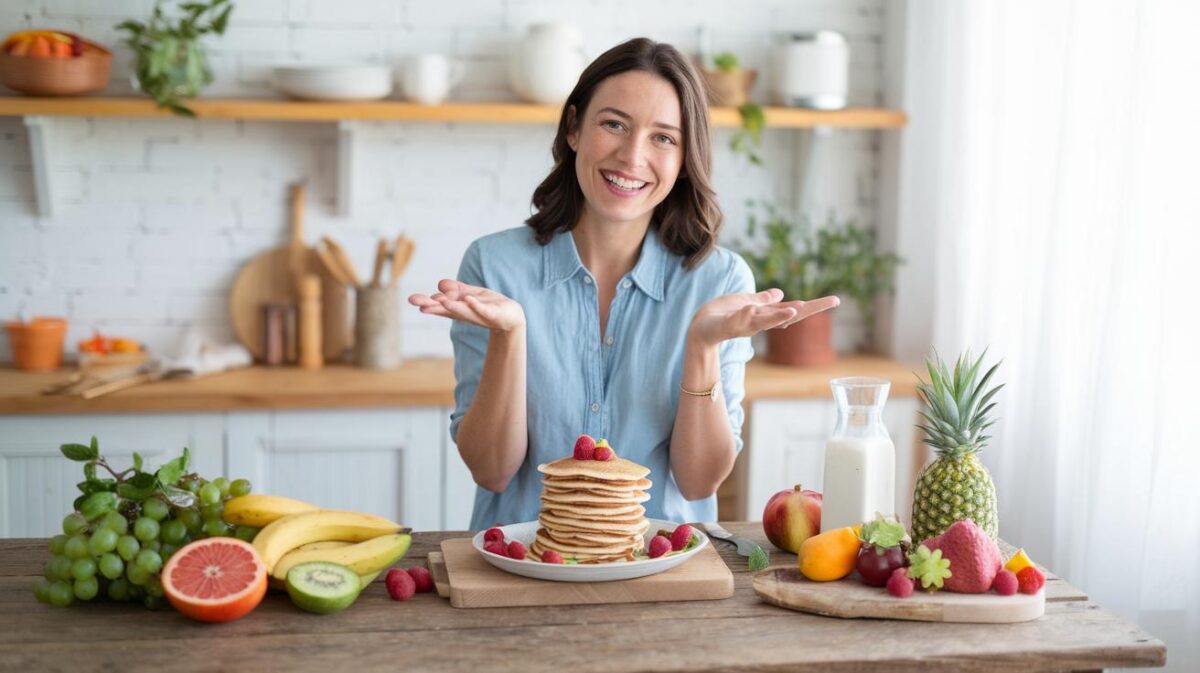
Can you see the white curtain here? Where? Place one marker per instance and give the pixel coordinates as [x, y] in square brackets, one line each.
[1052, 172]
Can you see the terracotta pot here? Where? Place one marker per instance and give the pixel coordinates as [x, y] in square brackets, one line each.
[37, 345]
[808, 343]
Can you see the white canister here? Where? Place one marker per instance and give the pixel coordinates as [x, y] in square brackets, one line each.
[811, 70]
[546, 63]
[428, 78]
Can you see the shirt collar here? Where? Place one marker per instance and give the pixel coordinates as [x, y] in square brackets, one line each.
[560, 262]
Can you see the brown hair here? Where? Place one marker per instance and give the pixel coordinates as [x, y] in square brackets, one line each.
[689, 218]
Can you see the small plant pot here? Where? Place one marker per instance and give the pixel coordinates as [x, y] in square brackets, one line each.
[808, 343]
[728, 89]
[37, 345]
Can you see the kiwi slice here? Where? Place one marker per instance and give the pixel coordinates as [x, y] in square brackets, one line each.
[323, 587]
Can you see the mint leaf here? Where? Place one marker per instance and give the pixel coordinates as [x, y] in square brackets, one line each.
[79, 452]
[171, 472]
[137, 462]
[759, 560]
[140, 487]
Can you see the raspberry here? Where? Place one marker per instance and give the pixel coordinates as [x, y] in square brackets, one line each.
[493, 535]
[659, 545]
[496, 547]
[422, 578]
[552, 556]
[900, 584]
[400, 585]
[603, 453]
[681, 537]
[1005, 583]
[1030, 580]
[516, 550]
[584, 448]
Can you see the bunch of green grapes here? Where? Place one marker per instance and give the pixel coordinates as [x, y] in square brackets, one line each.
[116, 542]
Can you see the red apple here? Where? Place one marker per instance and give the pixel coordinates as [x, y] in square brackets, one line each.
[791, 517]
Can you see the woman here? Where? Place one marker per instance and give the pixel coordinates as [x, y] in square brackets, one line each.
[613, 313]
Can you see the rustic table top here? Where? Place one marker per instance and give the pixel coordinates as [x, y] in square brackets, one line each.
[425, 633]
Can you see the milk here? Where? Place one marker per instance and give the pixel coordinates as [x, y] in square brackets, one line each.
[860, 459]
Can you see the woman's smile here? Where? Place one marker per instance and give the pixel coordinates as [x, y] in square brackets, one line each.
[623, 184]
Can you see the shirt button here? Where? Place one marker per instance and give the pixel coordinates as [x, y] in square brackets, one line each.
[595, 407]
[608, 340]
[626, 284]
[587, 280]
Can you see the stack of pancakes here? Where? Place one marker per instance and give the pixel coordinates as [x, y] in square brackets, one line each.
[591, 510]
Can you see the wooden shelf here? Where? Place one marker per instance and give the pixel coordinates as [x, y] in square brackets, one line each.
[476, 113]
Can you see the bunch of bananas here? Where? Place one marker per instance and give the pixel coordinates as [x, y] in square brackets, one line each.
[295, 532]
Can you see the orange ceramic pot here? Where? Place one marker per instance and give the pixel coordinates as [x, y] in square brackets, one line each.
[37, 345]
[808, 343]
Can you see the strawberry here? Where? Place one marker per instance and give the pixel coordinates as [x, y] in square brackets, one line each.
[585, 448]
[681, 537]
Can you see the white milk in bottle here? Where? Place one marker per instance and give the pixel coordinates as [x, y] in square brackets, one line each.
[860, 459]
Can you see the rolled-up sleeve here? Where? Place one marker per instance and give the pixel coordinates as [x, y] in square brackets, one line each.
[735, 353]
[470, 344]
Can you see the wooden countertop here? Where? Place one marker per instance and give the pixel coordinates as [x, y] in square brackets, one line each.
[378, 634]
[418, 382]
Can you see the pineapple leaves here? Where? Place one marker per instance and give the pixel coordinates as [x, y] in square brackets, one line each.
[957, 403]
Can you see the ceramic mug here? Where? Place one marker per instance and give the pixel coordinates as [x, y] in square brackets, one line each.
[428, 78]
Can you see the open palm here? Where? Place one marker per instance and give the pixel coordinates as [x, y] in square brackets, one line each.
[742, 315]
[469, 303]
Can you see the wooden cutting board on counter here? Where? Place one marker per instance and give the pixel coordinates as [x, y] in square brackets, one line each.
[850, 598]
[475, 583]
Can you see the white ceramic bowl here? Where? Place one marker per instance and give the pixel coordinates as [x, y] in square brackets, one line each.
[334, 82]
[584, 572]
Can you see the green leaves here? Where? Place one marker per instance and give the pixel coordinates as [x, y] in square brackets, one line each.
[726, 61]
[139, 487]
[759, 560]
[929, 567]
[748, 138]
[883, 533]
[81, 452]
[169, 474]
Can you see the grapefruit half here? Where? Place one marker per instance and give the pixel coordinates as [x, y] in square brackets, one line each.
[217, 579]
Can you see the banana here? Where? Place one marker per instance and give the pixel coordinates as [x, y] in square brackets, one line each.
[363, 558]
[285, 534]
[258, 511]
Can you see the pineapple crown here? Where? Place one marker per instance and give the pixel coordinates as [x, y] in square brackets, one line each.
[956, 405]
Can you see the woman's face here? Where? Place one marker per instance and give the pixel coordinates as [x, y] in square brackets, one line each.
[628, 146]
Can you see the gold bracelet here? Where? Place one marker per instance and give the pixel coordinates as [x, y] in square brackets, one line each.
[712, 393]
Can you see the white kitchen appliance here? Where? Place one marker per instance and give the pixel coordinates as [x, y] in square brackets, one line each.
[811, 70]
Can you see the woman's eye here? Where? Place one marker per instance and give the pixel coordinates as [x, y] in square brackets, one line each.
[664, 138]
[612, 124]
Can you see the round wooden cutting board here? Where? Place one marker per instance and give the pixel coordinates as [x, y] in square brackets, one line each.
[270, 277]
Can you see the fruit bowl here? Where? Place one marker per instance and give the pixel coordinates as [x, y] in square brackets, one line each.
[584, 572]
[39, 76]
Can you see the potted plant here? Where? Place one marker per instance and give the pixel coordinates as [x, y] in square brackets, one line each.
[171, 63]
[839, 258]
[728, 83]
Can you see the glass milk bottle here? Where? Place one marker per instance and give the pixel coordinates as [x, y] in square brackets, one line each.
[860, 459]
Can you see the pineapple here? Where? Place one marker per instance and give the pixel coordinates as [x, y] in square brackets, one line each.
[956, 485]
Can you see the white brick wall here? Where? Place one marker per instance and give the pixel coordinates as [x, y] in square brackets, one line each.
[156, 216]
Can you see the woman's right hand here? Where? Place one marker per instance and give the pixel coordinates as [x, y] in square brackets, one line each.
[476, 305]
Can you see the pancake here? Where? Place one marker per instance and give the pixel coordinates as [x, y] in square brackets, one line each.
[617, 469]
[590, 484]
[587, 498]
[591, 537]
[559, 522]
[602, 512]
[572, 549]
[539, 550]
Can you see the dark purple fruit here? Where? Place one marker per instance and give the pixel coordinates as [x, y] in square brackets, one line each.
[875, 565]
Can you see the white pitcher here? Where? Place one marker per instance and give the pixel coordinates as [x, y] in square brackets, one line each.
[545, 65]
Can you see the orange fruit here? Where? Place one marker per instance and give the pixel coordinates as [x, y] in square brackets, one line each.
[217, 579]
[830, 556]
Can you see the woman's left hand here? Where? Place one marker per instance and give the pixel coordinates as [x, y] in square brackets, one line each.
[742, 315]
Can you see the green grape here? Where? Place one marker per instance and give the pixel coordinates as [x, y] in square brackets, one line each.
[154, 602]
[128, 547]
[193, 486]
[153, 545]
[213, 512]
[136, 574]
[210, 494]
[77, 547]
[59, 568]
[215, 528]
[191, 519]
[118, 590]
[174, 531]
[150, 561]
[61, 594]
[155, 509]
[111, 566]
[74, 524]
[58, 544]
[168, 550]
[239, 487]
[245, 533]
[41, 590]
[135, 592]
[103, 540]
[83, 568]
[116, 522]
[154, 587]
[87, 588]
[145, 529]
[222, 485]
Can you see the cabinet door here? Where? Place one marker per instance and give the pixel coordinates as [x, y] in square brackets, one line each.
[37, 484]
[386, 462]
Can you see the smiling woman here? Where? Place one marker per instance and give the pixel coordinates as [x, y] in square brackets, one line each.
[614, 313]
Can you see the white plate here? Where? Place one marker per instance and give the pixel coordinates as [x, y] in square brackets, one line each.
[584, 572]
[334, 82]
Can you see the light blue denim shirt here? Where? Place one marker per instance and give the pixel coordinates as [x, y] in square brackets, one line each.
[624, 387]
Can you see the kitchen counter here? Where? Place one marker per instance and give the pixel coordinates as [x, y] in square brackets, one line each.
[427, 634]
[418, 382]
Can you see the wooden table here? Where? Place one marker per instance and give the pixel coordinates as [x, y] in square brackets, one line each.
[740, 633]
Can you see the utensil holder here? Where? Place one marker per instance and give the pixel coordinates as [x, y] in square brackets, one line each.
[37, 345]
[377, 327]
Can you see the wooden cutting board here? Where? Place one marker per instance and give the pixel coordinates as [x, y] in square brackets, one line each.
[475, 583]
[270, 278]
[850, 598]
